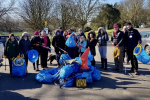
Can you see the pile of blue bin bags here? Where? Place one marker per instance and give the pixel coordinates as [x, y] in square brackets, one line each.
[68, 74]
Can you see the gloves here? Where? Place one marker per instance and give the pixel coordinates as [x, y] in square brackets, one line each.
[98, 44]
[18, 57]
[37, 45]
[22, 55]
[65, 52]
[5, 56]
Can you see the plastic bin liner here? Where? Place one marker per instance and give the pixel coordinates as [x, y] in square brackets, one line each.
[64, 57]
[92, 68]
[44, 76]
[141, 55]
[33, 55]
[56, 76]
[96, 75]
[67, 82]
[80, 62]
[90, 56]
[70, 41]
[53, 71]
[88, 77]
[66, 71]
[76, 67]
[19, 67]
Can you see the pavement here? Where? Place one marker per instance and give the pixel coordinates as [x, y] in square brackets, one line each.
[112, 86]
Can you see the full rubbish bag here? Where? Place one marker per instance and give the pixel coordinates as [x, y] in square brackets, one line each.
[19, 67]
[33, 55]
[141, 54]
[67, 82]
[66, 71]
[96, 75]
[64, 57]
[44, 76]
[53, 71]
[70, 41]
[87, 76]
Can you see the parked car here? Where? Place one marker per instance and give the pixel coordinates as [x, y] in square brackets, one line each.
[3, 38]
[146, 41]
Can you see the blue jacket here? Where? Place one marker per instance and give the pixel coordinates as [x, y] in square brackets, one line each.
[102, 39]
[83, 46]
[132, 38]
[119, 39]
[78, 37]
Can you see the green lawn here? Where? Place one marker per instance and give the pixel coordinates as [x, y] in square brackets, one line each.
[15, 33]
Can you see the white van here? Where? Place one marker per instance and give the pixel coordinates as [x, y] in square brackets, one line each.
[1, 53]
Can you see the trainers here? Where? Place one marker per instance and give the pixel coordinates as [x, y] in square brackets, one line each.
[37, 69]
[136, 73]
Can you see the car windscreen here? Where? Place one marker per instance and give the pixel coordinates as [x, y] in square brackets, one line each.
[3, 38]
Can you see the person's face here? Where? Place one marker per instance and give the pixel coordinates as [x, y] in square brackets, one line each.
[12, 38]
[102, 31]
[60, 29]
[57, 33]
[25, 37]
[80, 32]
[69, 31]
[66, 33]
[91, 35]
[43, 33]
[116, 28]
[128, 26]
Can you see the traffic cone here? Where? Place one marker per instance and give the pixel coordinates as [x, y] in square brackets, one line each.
[84, 59]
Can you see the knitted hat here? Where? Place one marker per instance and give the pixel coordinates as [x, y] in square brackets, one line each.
[128, 23]
[36, 33]
[25, 34]
[115, 25]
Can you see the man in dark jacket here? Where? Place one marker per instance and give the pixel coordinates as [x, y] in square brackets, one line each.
[117, 39]
[132, 39]
[58, 42]
[79, 35]
[61, 31]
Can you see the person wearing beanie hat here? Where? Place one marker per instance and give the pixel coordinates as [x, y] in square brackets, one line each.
[25, 46]
[36, 41]
[11, 50]
[58, 42]
[117, 39]
[132, 38]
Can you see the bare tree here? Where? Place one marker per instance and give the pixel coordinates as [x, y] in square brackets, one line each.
[5, 9]
[35, 12]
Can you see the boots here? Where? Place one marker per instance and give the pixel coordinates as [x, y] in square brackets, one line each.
[102, 63]
[37, 68]
[34, 66]
[105, 61]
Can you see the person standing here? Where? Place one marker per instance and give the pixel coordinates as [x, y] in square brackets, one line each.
[11, 50]
[36, 41]
[25, 46]
[58, 43]
[65, 35]
[117, 39]
[91, 42]
[132, 38]
[61, 31]
[44, 54]
[80, 33]
[82, 45]
[102, 39]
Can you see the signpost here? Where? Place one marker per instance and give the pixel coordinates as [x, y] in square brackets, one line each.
[46, 29]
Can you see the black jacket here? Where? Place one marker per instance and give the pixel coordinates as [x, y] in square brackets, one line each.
[25, 46]
[37, 40]
[119, 39]
[102, 39]
[58, 41]
[92, 45]
[132, 38]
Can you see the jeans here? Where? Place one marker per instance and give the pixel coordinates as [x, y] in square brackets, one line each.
[119, 59]
[103, 51]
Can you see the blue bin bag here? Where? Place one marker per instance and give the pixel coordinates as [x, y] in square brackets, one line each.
[68, 82]
[90, 56]
[79, 75]
[66, 71]
[80, 62]
[33, 55]
[96, 75]
[76, 67]
[64, 57]
[92, 68]
[56, 76]
[19, 67]
[44, 76]
[70, 41]
[88, 77]
[143, 56]
[53, 71]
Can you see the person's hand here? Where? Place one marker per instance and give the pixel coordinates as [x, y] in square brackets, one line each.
[22, 55]
[80, 46]
[55, 45]
[98, 44]
[37, 45]
[18, 56]
[112, 43]
[5, 56]
[65, 52]
[117, 46]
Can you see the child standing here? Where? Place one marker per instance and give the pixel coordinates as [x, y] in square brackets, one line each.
[82, 45]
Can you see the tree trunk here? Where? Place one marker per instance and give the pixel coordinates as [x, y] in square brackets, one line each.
[106, 26]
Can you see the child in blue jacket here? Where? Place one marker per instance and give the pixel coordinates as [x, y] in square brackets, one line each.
[82, 45]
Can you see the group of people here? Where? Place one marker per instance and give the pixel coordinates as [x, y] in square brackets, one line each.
[125, 40]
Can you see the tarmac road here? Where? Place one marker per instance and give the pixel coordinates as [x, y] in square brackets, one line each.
[112, 86]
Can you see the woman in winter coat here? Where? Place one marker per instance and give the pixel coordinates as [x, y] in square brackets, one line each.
[91, 42]
[102, 39]
[44, 54]
[25, 46]
[11, 50]
[36, 41]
